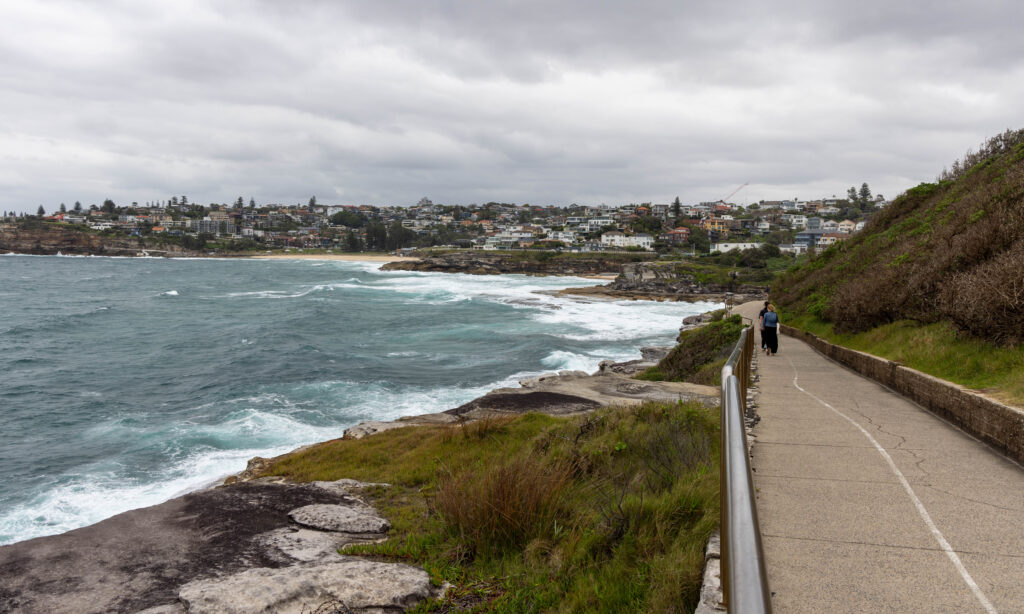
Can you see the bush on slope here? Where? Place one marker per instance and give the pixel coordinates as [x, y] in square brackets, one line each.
[951, 251]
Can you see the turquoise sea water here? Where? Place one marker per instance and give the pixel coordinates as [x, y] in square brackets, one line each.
[124, 382]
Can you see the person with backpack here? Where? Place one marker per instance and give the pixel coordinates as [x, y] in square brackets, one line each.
[760, 325]
[770, 330]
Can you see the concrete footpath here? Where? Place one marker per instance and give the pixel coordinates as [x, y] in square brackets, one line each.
[869, 503]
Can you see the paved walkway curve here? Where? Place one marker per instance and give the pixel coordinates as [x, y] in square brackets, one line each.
[869, 503]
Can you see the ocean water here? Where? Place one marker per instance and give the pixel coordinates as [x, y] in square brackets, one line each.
[125, 382]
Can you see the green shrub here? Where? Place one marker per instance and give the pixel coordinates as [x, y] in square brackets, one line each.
[697, 349]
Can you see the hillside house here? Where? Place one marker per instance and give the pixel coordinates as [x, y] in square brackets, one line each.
[829, 238]
[728, 247]
[847, 227]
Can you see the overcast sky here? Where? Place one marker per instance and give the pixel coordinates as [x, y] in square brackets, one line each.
[545, 102]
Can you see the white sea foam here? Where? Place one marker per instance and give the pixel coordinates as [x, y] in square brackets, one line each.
[219, 449]
[91, 496]
[169, 293]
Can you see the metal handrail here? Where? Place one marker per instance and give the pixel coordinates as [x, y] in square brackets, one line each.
[744, 579]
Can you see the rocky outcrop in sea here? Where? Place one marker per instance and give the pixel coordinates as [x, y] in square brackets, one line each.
[492, 263]
[659, 281]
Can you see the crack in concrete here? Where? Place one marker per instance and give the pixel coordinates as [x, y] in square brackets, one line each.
[985, 503]
[893, 546]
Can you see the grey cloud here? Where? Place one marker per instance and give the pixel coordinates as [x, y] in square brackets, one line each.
[546, 102]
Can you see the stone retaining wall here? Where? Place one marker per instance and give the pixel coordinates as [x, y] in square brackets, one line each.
[997, 424]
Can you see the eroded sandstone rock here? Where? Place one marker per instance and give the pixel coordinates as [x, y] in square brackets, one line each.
[361, 585]
[344, 518]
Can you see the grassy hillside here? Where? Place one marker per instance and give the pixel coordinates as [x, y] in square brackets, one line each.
[608, 512]
[950, 252]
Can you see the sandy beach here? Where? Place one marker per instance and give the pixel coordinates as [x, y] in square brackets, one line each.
[347, 257]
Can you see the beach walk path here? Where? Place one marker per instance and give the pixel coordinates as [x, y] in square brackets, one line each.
[869, 503]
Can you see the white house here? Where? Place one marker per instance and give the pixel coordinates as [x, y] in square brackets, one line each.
[728, 247]
[615, 238]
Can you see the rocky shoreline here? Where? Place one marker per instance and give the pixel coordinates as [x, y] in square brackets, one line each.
[646, 280]
[261, 544]
[496, 263]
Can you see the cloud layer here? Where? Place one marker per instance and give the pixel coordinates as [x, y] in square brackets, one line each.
[540, 102]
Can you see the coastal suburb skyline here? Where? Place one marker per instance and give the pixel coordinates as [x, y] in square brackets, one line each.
[525, 102]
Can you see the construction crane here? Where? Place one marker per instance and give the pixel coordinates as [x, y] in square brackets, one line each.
[734, 192]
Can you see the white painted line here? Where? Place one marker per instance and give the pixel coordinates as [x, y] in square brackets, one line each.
[943, 544]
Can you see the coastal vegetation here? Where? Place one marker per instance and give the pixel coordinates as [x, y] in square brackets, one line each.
[935, 280]
[608, 512]
[700, 354]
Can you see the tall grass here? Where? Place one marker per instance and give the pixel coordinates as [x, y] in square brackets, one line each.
[502, 507]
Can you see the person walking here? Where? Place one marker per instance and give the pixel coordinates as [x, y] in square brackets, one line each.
[770, 331]
[760, 324]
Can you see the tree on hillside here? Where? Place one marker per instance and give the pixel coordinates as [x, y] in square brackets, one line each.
[676, 207]
[647, 224]
[376, 236]
[699, 239]
[239, 203]
[312, 202]
[40, 211]
[351, 219]
[864, 196]
[63, 208]
[78, 207]
[352, 243]
[109, 206]
[399, 236]
[851, 195]
[252, 203]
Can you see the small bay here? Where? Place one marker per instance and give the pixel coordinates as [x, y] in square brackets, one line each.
[124, 382]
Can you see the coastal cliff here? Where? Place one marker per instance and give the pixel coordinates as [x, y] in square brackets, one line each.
[660, 281]
[51, 240]
[491, 263]
[643, 280]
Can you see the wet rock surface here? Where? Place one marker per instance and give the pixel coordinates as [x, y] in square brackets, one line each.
[140, 560]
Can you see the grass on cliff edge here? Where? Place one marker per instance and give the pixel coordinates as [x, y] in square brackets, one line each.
[936, 349]
[608, 512]
[700, 354]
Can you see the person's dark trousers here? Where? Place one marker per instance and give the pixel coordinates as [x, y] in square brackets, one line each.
[770, 337]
